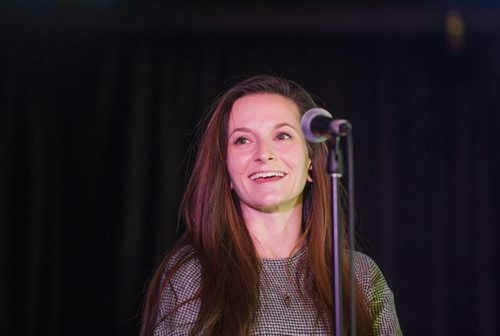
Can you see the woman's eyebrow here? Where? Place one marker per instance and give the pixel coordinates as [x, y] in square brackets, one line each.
[248, 130]
[280, 125]
[241, 129]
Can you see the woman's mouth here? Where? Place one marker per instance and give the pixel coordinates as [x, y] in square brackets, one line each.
[267, 176]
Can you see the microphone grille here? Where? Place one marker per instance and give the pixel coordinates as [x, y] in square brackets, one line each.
[306, 121]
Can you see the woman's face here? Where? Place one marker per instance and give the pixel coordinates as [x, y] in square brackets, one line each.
[267, 156]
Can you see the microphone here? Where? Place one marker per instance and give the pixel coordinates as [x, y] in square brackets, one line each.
[318, 125]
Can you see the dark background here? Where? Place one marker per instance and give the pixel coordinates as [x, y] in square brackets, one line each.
[99, 102]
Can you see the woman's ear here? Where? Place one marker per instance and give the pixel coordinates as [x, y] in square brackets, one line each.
[309, 174]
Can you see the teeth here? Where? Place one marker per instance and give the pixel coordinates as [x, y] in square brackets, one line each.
[266, 174]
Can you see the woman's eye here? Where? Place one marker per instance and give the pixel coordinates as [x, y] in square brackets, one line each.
[241, 141]
[283, 136]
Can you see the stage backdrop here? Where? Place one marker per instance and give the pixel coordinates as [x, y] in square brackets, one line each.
[97, 128]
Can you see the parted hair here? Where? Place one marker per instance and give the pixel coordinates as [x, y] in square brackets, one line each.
[218, 237]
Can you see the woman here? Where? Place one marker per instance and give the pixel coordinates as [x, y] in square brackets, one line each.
[256, 255]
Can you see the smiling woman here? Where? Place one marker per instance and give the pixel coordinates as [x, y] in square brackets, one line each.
[256, 256]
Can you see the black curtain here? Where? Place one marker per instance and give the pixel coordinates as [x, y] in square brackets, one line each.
[96, 132]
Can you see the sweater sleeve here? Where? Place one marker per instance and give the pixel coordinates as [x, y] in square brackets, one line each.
[379, 295]
[179, 305]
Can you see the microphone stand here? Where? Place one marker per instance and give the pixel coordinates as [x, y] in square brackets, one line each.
[335, 168]
[335, 171]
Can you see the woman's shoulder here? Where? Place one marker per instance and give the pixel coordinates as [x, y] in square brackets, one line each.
[178, 306]
[181, 278]
[183, 268]
[378, 294]
[365, 267]
[368, 274]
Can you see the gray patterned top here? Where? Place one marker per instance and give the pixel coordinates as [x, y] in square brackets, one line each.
[276, 315]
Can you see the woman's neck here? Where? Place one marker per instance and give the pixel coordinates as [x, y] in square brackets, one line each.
[275, 235]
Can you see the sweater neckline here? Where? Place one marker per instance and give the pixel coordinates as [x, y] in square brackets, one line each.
[294, 259]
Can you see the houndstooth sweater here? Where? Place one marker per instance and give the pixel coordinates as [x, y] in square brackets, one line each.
[276, 316]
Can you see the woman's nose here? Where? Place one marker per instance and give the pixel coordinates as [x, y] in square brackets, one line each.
[264, 151]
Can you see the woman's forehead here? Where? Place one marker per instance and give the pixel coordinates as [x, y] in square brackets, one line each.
[260, 109]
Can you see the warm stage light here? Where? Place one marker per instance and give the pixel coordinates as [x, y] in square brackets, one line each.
[455, 30]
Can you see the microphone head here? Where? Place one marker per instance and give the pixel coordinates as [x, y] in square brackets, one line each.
[306, 122]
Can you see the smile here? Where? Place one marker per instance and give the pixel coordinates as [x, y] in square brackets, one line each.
[267, 175]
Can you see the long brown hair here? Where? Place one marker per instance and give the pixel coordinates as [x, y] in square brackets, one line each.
[218, 238]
